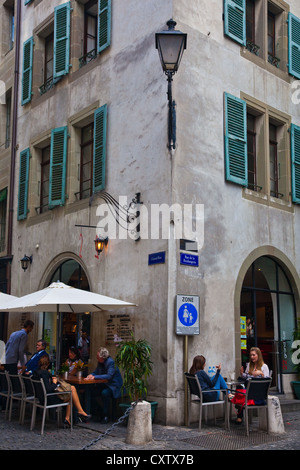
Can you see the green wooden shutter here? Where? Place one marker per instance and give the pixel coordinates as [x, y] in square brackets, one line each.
[27, 71]
[235, 20]
[58, 166]
[61, 61]
[23, 184]
[236, 160]
[104, 24]
[294, 45]
[295, 156]
[99, 155]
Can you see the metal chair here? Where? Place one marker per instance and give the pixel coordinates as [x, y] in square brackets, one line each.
[195, 389]
[257, 390]
[16, 393]
[28, 395]
[41, 401]
[5, 390]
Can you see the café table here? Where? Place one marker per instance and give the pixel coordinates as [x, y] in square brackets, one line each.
[86, 385]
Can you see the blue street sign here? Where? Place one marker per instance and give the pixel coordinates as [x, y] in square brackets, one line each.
[157, 258]
[189, 259]
[187, 321]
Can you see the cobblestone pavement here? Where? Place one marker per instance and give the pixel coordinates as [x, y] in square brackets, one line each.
[14, 436]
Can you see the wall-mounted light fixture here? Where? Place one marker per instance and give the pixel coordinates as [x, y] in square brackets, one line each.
[25, 261]
[100, 243]
[171, 44]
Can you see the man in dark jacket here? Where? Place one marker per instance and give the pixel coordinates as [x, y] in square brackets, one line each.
[33, 363]
[106, 369]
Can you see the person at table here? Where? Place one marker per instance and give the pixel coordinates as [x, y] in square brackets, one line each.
[255, 368]
[106, 369]
[208, 383]
[52, 385]
[33, 363]
[72, 361]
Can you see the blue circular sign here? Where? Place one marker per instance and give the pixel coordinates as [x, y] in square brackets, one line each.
[187, 314]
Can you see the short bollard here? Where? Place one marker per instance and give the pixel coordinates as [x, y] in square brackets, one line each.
[276, 424]
[139, 428]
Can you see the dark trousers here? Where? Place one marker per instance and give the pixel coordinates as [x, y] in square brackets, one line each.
[106, 394]
[11, 368]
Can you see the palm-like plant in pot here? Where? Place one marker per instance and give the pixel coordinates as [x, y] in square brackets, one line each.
[134, 358]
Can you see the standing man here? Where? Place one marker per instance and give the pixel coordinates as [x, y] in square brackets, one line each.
[15, 348]
[33, 363]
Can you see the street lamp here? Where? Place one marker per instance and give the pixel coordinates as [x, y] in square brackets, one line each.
[170, 44]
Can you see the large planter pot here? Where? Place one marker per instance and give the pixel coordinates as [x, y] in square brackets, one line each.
[153, 408]
[296, 388]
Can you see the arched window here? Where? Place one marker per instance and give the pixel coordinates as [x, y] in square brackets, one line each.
[268, 313]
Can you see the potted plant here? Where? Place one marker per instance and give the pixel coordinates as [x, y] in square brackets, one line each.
[80, 366]
[134, 358]
[64, 370]
[296, 359]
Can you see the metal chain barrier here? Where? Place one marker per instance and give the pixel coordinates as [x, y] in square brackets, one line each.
[114, 425]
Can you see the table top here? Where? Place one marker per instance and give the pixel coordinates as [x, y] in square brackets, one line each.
[74, 380]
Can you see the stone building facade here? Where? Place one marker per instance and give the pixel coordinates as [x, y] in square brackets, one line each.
[92, 143]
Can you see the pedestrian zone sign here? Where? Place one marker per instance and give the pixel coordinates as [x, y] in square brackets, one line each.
[187, 315]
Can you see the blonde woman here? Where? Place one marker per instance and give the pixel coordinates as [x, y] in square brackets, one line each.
[256, 367]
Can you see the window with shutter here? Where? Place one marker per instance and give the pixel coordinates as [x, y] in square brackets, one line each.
[295, 155]
[99, 156]
[294, 45]
[61, 40]
[235, 20]
[236, 161]
[104, 24]
[58, 163]
[27, 71]
[23, 184]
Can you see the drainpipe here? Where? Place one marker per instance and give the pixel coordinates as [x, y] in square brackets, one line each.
[13, 145]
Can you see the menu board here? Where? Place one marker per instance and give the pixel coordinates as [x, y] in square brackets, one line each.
[118, 328]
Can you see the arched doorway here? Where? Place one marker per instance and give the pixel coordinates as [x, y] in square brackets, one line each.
[268, 316]
[70, 329]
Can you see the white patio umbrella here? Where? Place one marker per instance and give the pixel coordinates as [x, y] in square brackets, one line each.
[5, 299]
[61, 298]
[58, 297]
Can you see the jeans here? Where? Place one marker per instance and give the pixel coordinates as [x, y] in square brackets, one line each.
[215, 395]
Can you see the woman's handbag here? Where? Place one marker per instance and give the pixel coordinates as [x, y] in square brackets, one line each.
[64, 387]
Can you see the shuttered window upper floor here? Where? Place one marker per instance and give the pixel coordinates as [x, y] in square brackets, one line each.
[73, 35]
[268, 33]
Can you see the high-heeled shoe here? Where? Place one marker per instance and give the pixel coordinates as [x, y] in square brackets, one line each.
[83, 418]
[67, 423]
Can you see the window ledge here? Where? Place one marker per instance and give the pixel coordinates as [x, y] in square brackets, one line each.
[265, 64]
[267, 200]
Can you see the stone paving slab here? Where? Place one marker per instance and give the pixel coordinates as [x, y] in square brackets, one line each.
[14, 436]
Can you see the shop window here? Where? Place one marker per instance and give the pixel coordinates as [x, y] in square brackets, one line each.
[75, 328]
[268, 310]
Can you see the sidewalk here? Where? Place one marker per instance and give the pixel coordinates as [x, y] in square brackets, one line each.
[14, 436]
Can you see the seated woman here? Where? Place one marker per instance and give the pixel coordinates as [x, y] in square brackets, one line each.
[255, 368]
[215, 383]
[52, 385]
[72, 361]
